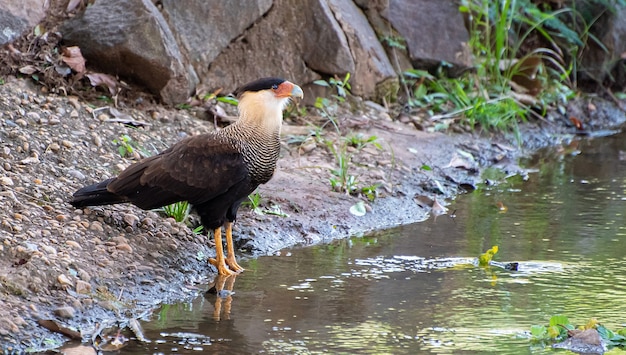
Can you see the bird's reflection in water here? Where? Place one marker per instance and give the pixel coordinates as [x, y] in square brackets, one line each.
[223, 290]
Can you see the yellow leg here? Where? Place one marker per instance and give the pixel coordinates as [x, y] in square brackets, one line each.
[219, 254]
[230, 258]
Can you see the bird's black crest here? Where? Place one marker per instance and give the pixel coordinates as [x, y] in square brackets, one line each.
[258, 85]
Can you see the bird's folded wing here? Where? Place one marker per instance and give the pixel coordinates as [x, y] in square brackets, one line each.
[196, 169]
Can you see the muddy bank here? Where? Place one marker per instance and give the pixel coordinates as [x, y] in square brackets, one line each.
[84, 267]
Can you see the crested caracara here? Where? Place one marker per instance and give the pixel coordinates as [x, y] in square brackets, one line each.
[214, 172]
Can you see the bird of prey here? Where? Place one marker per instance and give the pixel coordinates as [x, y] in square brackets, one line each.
[215, 172]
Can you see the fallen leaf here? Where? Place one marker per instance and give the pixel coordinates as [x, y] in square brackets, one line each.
[458, 162]
[577, 123]
[423, 201]
[78, 350]
[72, 5]
[100, 79]
[28, 69]
[438, 209]
[358, 209]
[53, 326]
[591, 106]
[74, 59]
[525, 75]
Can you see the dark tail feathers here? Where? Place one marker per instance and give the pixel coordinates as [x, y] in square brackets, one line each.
[95, 195]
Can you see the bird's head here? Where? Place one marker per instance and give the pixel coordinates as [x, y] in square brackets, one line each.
[262, 101]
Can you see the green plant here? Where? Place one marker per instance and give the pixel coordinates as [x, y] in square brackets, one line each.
[125, 145]
[183, 106]
[343, 180]
[179, 211]
[560, 328]
[341, 86]
[254, 202]
[370, 192]
[511, 79]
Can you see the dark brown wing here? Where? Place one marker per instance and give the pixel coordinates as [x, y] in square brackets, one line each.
[195, 169]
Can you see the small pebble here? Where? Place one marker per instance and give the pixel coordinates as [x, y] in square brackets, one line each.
[55, 147]
[67, 144]
[73, 244]
[6, 181]
[65, 312]
[64, 280]
[124, 247]
[76, 174]
[83, 287]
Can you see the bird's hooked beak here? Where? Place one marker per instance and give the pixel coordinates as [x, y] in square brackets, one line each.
[289, 89]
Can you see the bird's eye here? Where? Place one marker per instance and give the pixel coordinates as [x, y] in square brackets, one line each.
[274, 87]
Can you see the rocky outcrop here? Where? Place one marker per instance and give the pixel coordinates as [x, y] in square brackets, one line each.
[372, 67]
[205, 28]
[130, 38]
[174, 48]
[433, 30]
[19, 16]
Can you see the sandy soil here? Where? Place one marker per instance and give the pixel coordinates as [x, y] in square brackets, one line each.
[78, 269]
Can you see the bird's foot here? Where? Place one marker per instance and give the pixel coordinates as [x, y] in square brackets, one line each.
[222, 269]
[232, 264]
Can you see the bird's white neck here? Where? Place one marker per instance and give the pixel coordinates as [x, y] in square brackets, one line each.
[262, 112]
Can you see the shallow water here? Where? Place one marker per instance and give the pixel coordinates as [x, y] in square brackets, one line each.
[416, 289]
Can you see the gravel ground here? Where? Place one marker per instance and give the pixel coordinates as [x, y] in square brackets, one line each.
[80, 268]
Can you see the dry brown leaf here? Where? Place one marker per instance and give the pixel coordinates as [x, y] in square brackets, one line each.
[74, 59]
[591, 106]
[72, 5]
[438, 209]
[29, 69]
[53, 326]
[577, 123]
[525, 75]
[458, 162]
[78, 350]
[100, 79]
[423, 201]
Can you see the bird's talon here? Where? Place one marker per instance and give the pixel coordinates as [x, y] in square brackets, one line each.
[223, 269]
[232, 264]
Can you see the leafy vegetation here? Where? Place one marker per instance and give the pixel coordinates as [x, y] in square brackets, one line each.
[179, 211]
[344, 148]
[126, 147]
[526, 56]
[342, 180]
[560, 328]
[254, 203]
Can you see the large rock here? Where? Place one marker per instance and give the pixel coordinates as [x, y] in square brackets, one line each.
[301, 39]
[131, 38]
[373, 76]
[271, 47]
[434, 31]
[205, 28]
[326, 48]
[19, 16]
